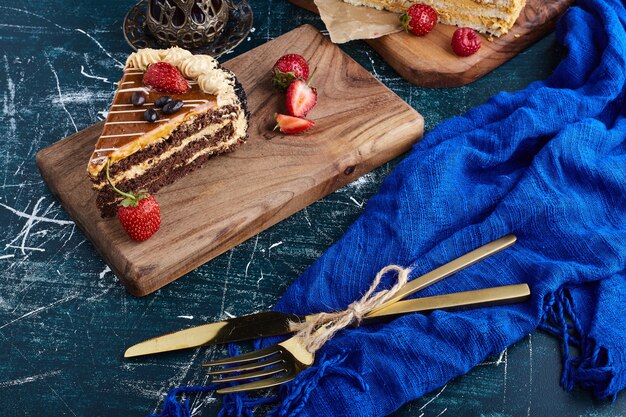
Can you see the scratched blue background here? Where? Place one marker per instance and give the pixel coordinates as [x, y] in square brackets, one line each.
[65, 319]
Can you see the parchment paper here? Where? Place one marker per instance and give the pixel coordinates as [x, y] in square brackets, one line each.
[346, 22]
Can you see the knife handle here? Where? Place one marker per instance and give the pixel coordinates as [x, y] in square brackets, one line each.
[448, 269]
[477, 298]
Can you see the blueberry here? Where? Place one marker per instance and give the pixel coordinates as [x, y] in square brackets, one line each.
[150, 115]
[162, 101]
[172, 107]
[138, 98]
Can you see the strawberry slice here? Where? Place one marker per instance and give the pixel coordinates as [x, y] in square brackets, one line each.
[301, 98]
[291, 125]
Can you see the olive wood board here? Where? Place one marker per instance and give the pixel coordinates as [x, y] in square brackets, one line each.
[360, 124]
[428, 61]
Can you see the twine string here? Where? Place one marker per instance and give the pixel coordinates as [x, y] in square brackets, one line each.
[321, 327]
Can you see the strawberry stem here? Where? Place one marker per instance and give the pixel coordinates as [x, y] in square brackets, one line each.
[127, 195]
[405, 21]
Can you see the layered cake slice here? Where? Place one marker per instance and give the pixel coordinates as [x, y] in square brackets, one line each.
[165, 122]
[495, 17]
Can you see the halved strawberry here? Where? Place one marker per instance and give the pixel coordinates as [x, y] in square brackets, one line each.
[291, 125]
[300, 98]
[165, 78]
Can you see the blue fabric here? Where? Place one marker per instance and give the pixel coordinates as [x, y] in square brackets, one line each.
[176, 402]
[548, 164]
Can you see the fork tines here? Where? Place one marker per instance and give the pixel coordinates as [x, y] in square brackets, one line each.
[274, 363]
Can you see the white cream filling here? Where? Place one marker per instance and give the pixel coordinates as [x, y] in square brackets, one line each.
[215, 149]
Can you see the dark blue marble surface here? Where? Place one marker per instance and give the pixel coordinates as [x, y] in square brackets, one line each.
[65, 319]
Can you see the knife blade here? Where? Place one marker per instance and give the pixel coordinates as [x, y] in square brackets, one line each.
[252, 326]
[271, 323]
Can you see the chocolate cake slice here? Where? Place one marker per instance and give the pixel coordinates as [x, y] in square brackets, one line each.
[141, 153]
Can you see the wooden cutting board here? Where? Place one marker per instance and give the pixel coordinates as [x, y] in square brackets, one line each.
[428, 61]
[361, 124]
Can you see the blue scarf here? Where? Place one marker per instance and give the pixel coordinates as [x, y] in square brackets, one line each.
[548, 164]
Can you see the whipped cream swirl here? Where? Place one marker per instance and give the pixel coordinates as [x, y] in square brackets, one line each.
[201, 68]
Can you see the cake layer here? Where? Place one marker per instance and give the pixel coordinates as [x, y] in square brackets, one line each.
[195, 126]
[487, 16]
[475, 8]
[493, 26]
[499, 3]
[483, 18]
[488, 7]
[167, 170]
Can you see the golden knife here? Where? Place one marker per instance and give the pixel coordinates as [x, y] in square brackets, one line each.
[271, 323]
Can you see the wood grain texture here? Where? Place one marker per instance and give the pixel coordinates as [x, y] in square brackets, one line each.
[360, 125]
[428, 61]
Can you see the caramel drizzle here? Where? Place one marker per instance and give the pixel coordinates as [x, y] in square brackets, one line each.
[121, 135]
[199, 101]
[104, 156]
[128, 90]
[140, 110]
[126, 122]
[194, 103]
[188, 103]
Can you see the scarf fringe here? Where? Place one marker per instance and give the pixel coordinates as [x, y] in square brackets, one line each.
[234, 405]
[293, 396]
[592, 367]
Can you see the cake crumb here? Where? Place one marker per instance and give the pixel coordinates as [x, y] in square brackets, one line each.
[517, 35]
[490, 38]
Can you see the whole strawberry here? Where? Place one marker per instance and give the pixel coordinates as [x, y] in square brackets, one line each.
[288, 68]
[465, 42]
[140, 216]
[165, 78]
[419, 19]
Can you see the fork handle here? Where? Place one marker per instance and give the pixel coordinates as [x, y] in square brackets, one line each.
[477, 298]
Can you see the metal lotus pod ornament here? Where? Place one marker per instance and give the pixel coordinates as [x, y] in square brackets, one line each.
[187, 23]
